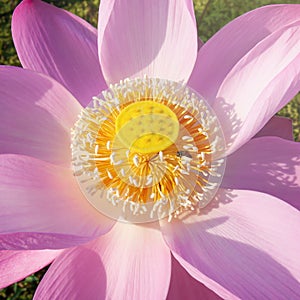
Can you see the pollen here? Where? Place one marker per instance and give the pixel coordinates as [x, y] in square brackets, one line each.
[147, 149]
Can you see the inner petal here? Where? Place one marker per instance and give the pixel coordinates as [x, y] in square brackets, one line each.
[147, 149]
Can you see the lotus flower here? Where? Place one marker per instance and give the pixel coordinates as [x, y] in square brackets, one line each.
[242, 244]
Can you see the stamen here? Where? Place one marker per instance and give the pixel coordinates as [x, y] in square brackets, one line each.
[147, 149]
[161, 156]
[109, 174]
[136, 160]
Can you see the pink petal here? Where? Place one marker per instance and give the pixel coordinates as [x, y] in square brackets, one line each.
[246, 248]
[16, 265]
[184, 286]
[76, 274]
[130, 262]
[36, 115]
[40, 240]
[278, 126]
[250, 69]
[267, 164]
[265, 80]
[141, 37]
[37, 197]
[224, 50]
[55, 42]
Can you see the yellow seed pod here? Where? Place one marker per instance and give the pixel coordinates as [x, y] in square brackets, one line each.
[147, 126]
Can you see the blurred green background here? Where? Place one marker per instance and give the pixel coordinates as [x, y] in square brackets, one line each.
[211, 16]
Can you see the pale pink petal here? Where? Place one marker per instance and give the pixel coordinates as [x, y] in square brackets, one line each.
[251, 69]
[246, 248]
[224, 50]
[184, 286]
[55, 42]
[36, 115]
[278, 126]
[40, 240]
[16, 265]
[130, 262]
[37, 197]
[140, 37]
[266, 164]
[76, 274]
[260, 85]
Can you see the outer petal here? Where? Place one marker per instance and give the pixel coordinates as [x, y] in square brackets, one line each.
[247, 248]
[141, 37]
[76, 274]
[130, 262]
[55, 42]
[16, 265]
[184, 286]
[259, 72]
[224, 50]
[278, 126]
[40, 240]
[265, 80]
[267, 164]
[37, 197]
[36, 115]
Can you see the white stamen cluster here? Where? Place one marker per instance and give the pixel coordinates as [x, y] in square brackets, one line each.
[127, 185]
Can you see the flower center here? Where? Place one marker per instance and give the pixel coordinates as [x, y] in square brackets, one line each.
[146, 149]
[147, 126]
